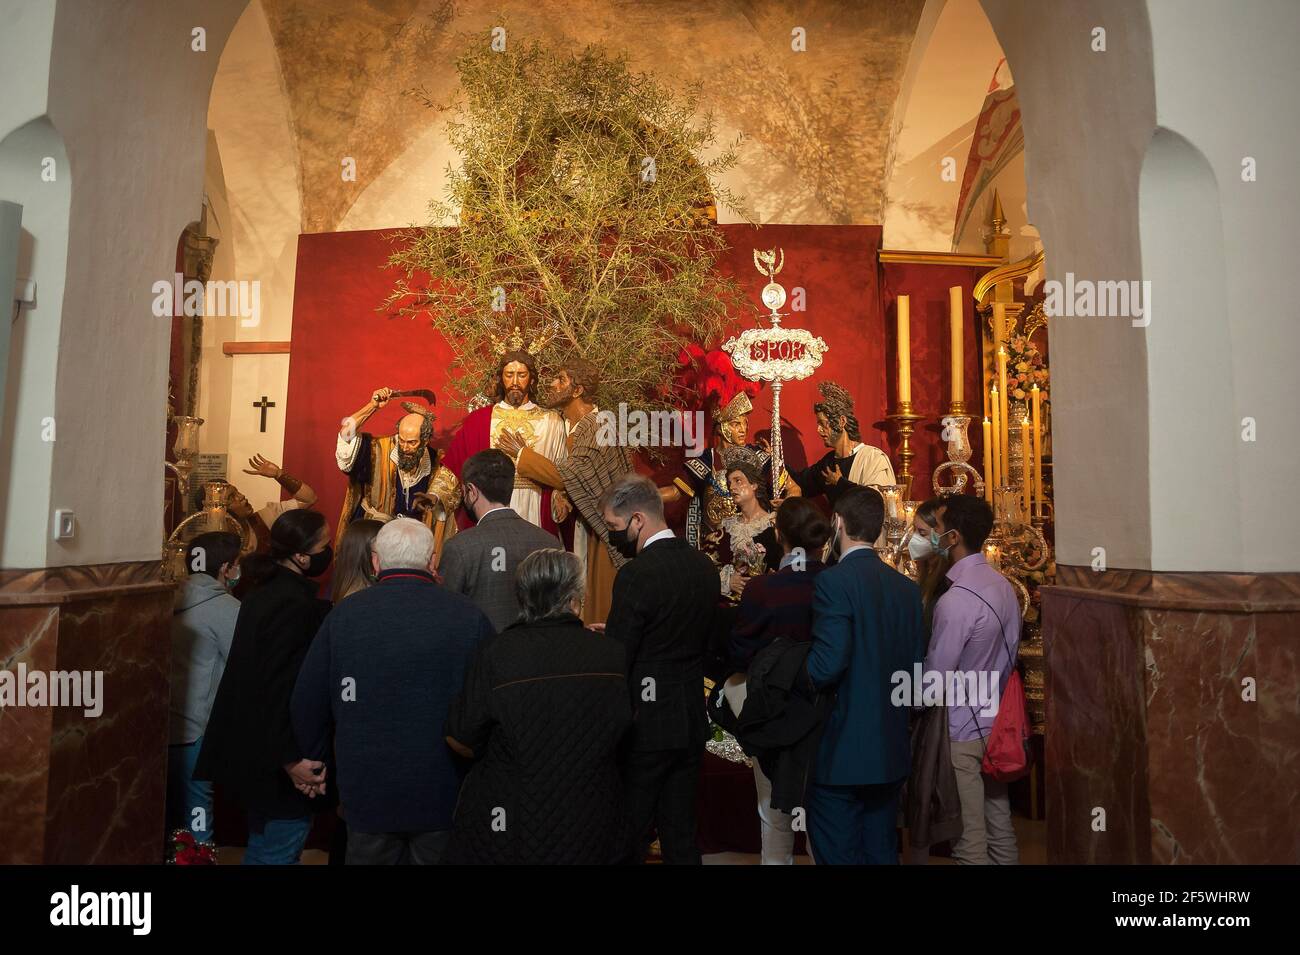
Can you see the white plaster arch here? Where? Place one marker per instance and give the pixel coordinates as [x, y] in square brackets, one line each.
[128, 90]
[34, 172]
[1087, 119]
[1188, 330]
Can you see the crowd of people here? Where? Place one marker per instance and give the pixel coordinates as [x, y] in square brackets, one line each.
[456, 709]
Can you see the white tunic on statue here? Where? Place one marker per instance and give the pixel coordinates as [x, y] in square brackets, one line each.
[544, 432]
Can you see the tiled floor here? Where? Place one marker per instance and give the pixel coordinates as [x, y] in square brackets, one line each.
[1032, 836]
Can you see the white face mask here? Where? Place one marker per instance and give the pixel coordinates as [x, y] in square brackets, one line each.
[920, 546]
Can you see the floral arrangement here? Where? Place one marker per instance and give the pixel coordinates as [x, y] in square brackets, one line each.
[749, 557]
[186, 850]
[1026, 367]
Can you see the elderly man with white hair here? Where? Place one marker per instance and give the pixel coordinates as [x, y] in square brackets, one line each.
[378, 680]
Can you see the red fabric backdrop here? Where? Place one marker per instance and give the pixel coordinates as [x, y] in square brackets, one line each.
[343, 349]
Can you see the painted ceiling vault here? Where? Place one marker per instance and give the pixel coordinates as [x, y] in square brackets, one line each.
[815, 126]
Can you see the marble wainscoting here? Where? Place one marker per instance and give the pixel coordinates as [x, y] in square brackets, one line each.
[78, 788]
[1149, 718]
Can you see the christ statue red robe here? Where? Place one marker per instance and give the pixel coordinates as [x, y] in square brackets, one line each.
[544, 433]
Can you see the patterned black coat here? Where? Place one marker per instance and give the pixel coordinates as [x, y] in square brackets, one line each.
[544, 708]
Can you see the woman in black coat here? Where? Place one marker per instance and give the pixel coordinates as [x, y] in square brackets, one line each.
[544, 706]
[249, 748]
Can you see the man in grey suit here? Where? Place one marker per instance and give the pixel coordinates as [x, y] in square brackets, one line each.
[480, 562]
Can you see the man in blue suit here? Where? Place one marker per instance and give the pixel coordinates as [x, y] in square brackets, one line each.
[866, 627]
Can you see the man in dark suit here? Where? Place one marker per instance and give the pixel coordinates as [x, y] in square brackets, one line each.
[662, 611]
[866, 627]
[480, 561]
[376, 687]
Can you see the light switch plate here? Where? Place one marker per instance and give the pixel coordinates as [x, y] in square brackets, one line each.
[65, 524]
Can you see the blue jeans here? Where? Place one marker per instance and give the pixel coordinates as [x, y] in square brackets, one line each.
[853, 825]
[275, 841]
[189, 801]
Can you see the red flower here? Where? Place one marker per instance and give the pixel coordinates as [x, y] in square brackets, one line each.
[718, 362]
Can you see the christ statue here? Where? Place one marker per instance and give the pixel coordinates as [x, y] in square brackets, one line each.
[579, 479]
[515, 412]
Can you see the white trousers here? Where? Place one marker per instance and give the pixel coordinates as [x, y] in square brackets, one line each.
[775, 825]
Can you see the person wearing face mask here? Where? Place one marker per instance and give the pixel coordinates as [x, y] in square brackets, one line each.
[976, 632]
[866, 627]
[480, 562]
[249, 748]
[203, 626]
[662, 611]
[932, 807]
[931, 557]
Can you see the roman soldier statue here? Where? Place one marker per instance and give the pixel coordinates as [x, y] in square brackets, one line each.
[703, 479]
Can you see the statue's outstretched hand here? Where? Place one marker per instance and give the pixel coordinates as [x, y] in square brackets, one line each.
[260, 465]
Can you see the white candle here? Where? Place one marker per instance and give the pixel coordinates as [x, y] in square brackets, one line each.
[1024, 469]
[997, 442]
[1038, 452]
[955, 332]
[1004, 442]
[989, 477]
[904, 352]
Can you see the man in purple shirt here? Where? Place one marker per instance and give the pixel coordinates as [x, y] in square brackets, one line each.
[973, 647]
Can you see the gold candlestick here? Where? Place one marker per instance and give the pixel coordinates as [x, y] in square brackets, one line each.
[906, 421]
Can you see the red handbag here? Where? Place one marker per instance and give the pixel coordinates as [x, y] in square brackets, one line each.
[1006, 750]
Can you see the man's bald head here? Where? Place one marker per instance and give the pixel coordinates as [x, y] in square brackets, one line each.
[408, 428]
[411, 441]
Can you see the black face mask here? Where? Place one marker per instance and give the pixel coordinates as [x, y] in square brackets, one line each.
[622, 541]
[318, 563]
